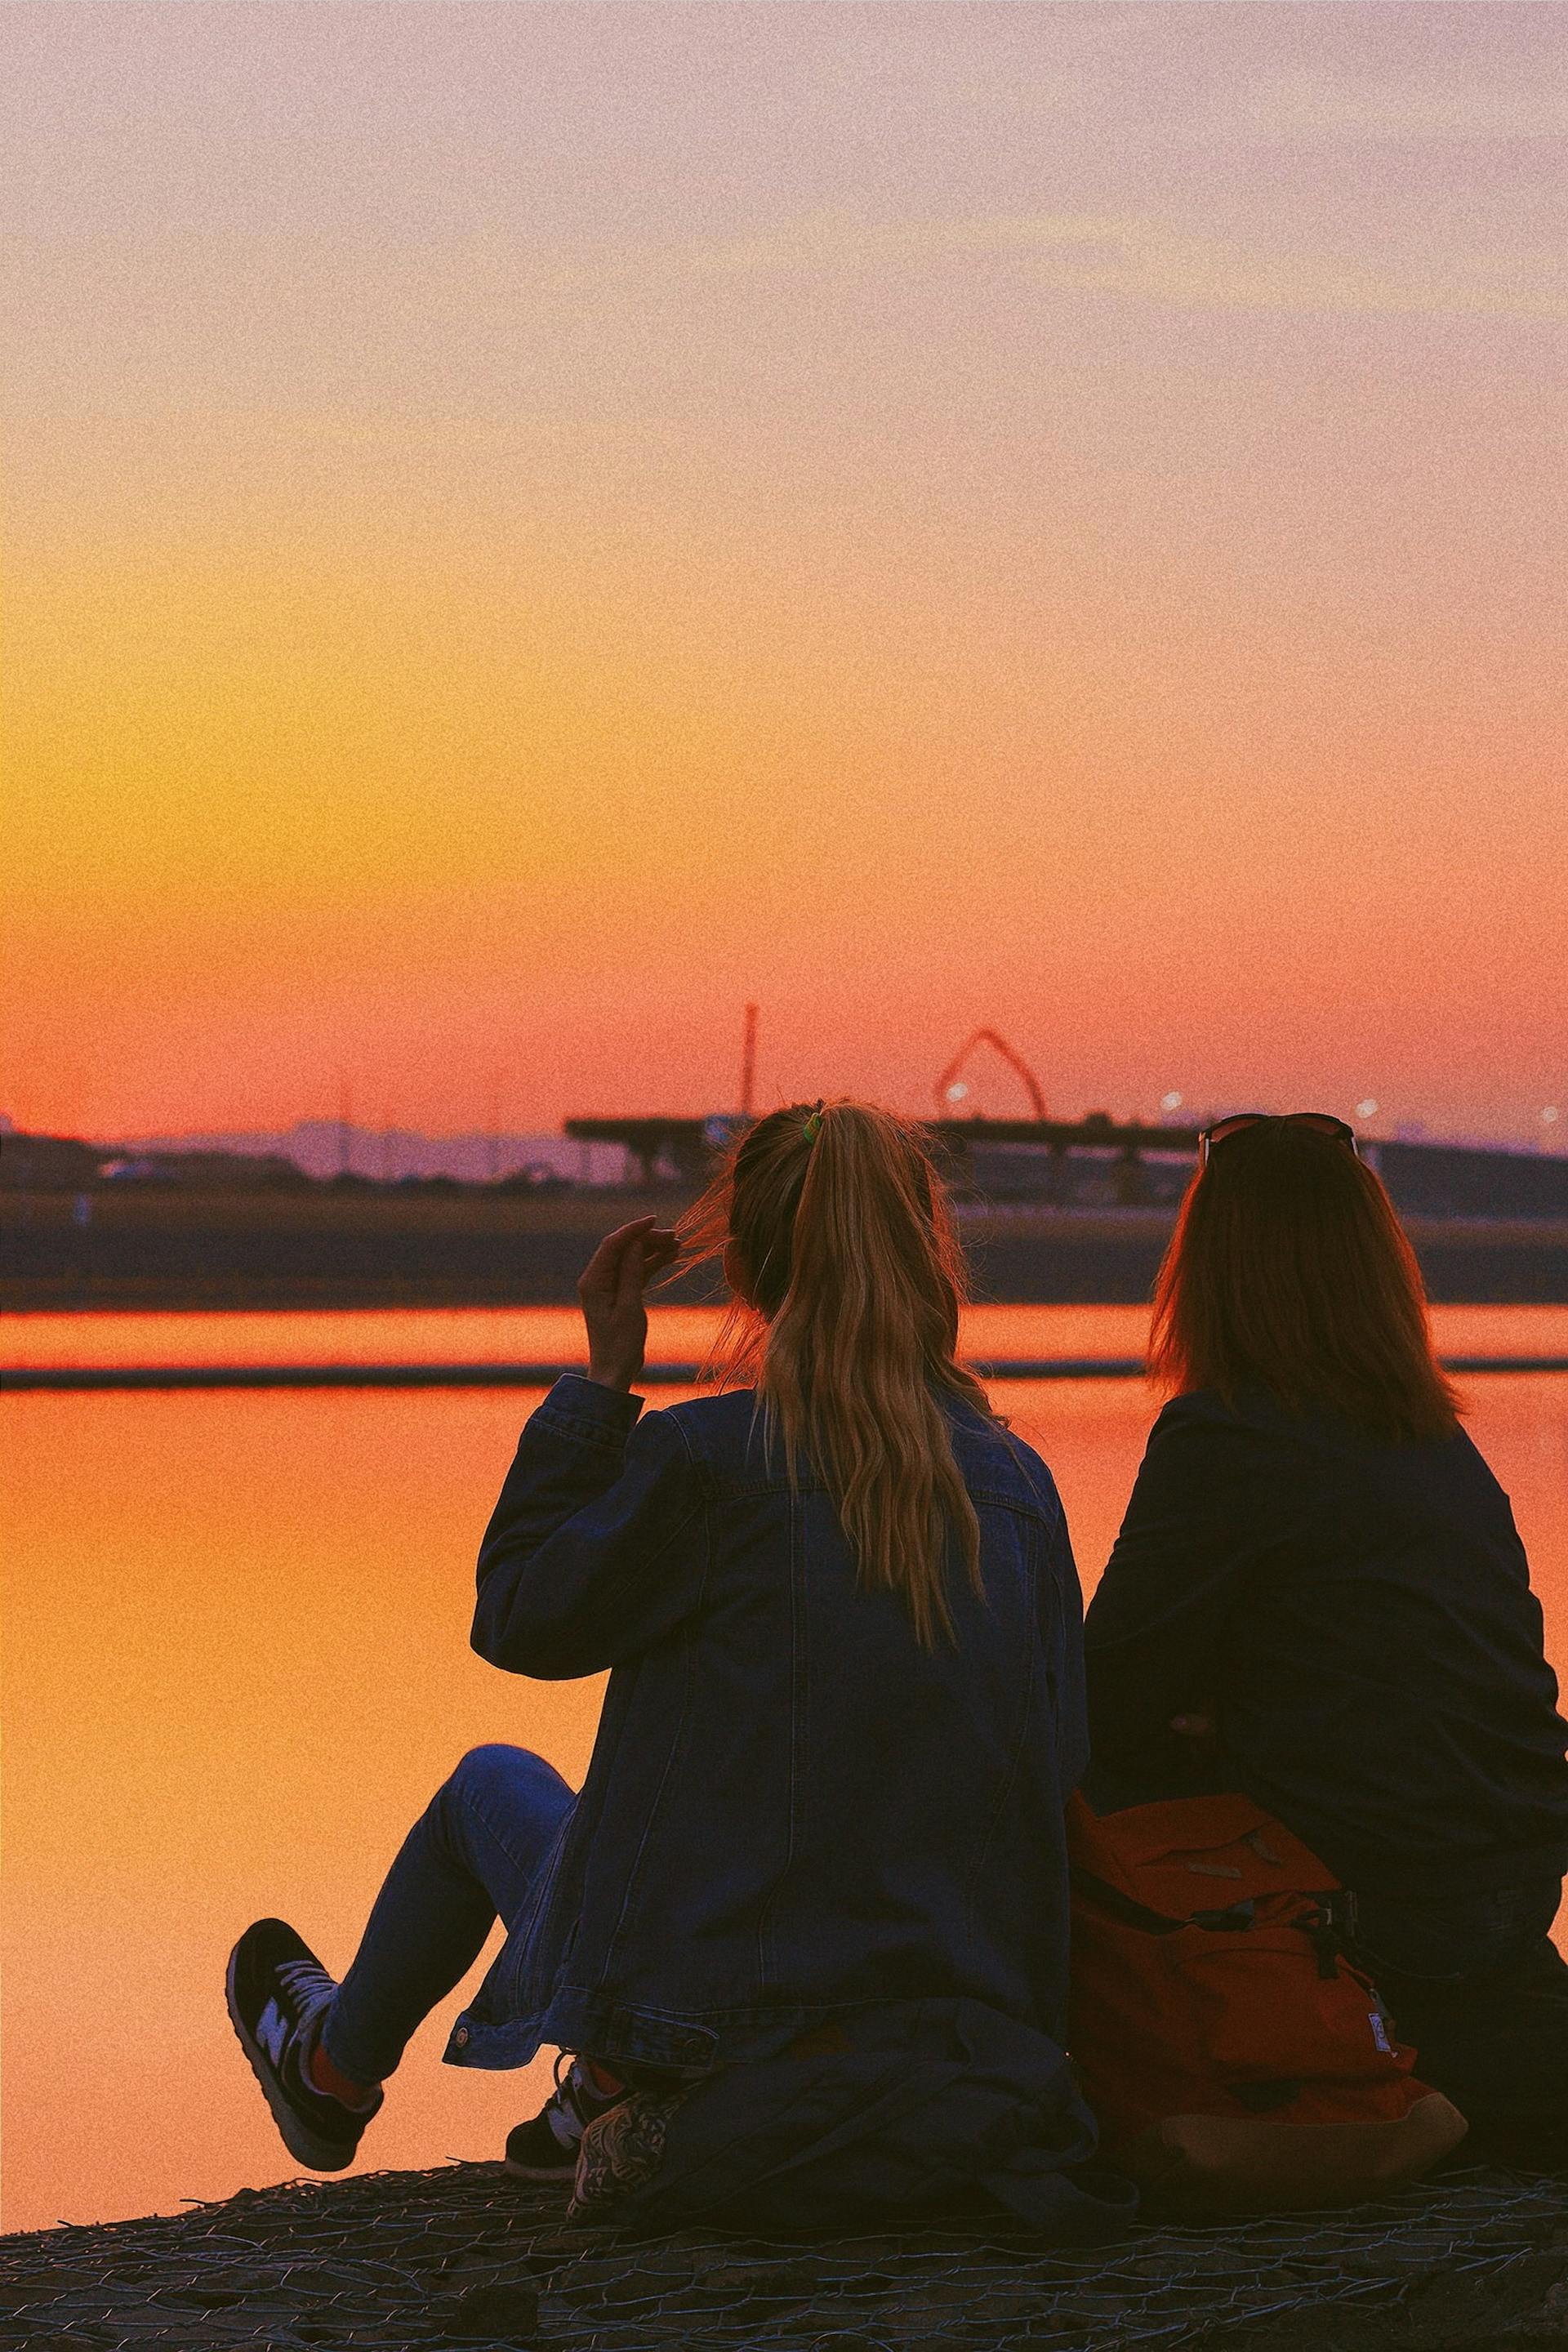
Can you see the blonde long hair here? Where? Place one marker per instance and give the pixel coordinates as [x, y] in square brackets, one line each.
[849, 1250]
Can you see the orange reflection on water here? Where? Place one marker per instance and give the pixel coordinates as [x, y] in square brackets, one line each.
[553, 1335]
[394, 1335]
[237, 1666]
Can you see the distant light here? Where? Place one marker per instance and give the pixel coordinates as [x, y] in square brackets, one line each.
[957, 1091]
[1367, 1109]
[1172, 1101]
[1550, 1113]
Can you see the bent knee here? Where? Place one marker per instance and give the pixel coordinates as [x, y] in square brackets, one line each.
[482, 1767]
[497, 1767]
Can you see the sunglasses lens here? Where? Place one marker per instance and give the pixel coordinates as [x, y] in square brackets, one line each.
[1320, 1122]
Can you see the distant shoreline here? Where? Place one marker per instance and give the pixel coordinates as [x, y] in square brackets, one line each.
[258, 1252]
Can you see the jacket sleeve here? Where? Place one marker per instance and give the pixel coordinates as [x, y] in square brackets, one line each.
[598, 1546]
[1067, 1656]
[1205, 1510]
[1061, 1602]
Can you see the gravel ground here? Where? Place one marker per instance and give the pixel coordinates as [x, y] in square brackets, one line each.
[465, 2256]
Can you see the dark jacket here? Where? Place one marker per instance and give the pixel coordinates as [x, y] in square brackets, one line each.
[1359, 1617]
[971, 2113]
[796, 1818]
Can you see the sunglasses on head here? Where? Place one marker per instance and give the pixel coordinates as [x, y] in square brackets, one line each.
[1318, 1122]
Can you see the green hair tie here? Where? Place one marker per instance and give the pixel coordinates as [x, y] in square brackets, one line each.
[812, 1127]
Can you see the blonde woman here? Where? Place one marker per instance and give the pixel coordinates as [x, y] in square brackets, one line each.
[805, 1926]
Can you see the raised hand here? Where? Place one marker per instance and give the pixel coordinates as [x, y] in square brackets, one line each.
[610, 1293]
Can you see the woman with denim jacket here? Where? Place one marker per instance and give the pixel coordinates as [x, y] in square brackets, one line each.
[804, 1928]
[1319, 1596]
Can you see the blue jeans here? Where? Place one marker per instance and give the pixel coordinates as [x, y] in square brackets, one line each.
[470, 1857]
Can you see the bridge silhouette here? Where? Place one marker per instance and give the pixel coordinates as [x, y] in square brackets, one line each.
[691, 1146]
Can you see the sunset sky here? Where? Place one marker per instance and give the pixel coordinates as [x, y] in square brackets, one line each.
[531, 525]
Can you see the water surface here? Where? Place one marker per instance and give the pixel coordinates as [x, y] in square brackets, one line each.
[237, 1663]
[481, 1335]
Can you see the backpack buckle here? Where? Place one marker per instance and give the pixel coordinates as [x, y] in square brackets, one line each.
[1231, 1920]
[1343, 1913]
[1321, 1926]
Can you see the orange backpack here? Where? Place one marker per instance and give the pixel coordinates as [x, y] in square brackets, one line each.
[1236, 2061]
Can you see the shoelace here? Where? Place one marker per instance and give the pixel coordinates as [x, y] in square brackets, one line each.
[575, 2099]
[307, 1985]
[569, 2088]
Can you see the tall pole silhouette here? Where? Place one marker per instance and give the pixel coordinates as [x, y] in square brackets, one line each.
[749, 1065]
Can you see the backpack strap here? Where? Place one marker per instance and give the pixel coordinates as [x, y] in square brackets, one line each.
[1326, 1921]
[1122, 1907]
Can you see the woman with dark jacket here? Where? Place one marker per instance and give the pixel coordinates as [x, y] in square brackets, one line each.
[804, 1928]
[1319, 1596]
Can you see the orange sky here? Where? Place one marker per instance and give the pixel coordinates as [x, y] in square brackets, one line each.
[532, 526]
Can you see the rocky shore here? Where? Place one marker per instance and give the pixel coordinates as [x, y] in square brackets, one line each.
[464, 2256]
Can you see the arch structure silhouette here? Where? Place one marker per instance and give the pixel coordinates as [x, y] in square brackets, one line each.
[946, 1101]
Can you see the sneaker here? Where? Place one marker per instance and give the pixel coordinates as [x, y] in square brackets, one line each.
[546, 2147]
[277, 1990]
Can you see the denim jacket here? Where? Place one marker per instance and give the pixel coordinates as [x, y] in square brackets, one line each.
[797, 1822]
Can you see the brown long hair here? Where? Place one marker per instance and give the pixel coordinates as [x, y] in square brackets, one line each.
[845, 1234]
[1289, 1271]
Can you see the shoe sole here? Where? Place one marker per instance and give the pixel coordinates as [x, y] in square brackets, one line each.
[320, 2155]
[565, 2173]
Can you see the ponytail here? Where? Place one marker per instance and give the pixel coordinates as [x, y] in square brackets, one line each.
[849, 1251]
